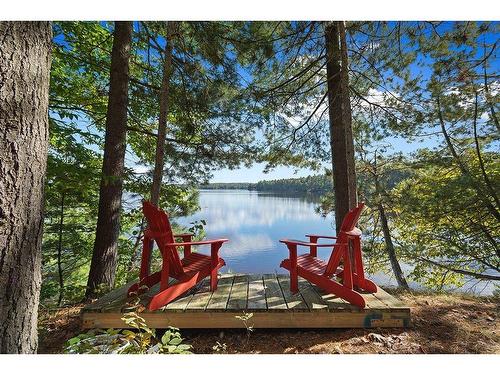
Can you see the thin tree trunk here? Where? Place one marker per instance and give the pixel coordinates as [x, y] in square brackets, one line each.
[487, 97]
[136, 249]
[59, 252]
[479, 191]
[104, 258]
[486, 179]
[391, 252]
[24, 98]
[162, 121]
[340, 123]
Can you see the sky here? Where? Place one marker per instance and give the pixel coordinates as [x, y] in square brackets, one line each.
[255, 173]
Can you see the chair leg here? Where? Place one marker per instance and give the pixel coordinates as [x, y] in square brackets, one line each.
[294, 279]
[213, 280]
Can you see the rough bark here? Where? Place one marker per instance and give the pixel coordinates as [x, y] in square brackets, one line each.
[344, 182]
[104, 258]
[24, 94]
[162, 120]
[347, 117]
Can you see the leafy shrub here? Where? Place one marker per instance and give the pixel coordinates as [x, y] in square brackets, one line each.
[141, 340]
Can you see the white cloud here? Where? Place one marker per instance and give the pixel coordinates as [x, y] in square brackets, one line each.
[138, 168]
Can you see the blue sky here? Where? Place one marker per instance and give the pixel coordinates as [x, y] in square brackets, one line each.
[255, 173]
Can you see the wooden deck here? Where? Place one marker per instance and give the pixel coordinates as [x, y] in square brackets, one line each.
[267, 296]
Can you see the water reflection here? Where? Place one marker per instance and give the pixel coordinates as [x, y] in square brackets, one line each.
[254, 223]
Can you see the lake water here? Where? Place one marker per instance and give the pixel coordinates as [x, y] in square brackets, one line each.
[254, 222]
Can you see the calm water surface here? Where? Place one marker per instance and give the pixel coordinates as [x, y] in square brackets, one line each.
[254, 222]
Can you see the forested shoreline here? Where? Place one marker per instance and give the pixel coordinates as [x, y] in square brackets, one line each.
[318, 184]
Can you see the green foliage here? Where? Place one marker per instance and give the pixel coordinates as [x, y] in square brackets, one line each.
[140, 339]
[441, 220]
[317, 185]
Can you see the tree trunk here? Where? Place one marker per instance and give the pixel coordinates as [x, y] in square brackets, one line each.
[136, 250]
[339, 111]
[24, 98]
[104, 258]
[391, 252]
[59, 251]
[162, 121]
[346, 101]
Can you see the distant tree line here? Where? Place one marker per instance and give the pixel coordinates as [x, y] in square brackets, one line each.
[320, 184]
[317, 184]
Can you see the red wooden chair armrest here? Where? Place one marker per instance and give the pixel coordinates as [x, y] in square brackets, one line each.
[303, 243]
[214, 248]
[320, 236]
[206, 242]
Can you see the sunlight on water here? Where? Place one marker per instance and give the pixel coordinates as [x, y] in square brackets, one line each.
[254, 222]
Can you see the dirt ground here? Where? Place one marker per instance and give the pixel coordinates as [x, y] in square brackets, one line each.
[440, 324]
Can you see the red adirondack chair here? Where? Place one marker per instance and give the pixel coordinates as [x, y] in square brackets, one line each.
[188, 271]
[319, 272]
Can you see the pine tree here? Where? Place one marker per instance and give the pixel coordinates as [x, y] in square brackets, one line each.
[24, 68]
[104, 259]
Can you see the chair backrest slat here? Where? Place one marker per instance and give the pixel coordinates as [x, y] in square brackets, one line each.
[348, 224]
[158, 221]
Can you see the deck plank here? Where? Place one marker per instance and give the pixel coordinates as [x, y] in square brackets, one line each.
[256, 293]
[274, 297]
[221, 296]
[392, 302]
[373, 302]
[239, 293]
[311, 297]
[201, 297]
[293, 301]
[118, 294]
[333, 302]
[180, 303]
